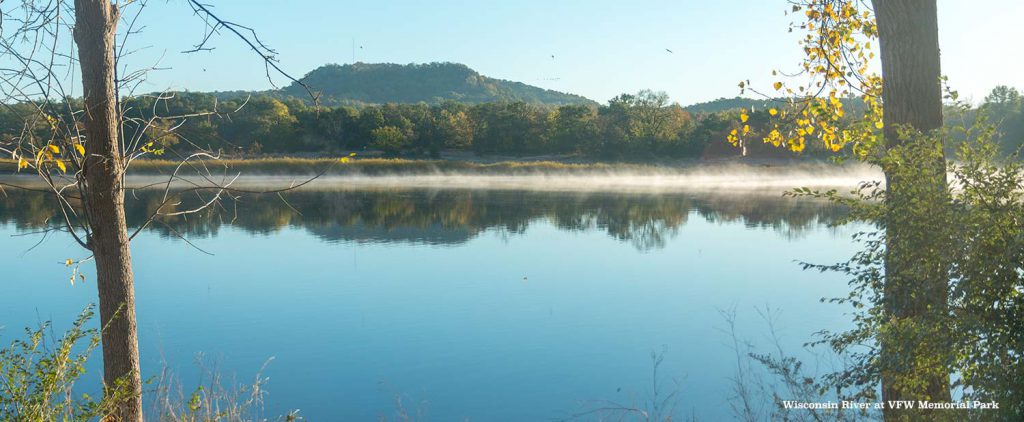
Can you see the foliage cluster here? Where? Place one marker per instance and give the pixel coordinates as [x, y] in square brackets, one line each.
[972, 232]
[37, 383]
[632, 126]
[37, 378]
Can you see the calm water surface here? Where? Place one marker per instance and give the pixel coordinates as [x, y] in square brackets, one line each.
[464, 304]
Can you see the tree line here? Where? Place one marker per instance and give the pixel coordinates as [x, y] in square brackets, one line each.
[630, 127]
[641, 126]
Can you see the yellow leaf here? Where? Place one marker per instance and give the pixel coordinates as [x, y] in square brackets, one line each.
[778, 86]
[773, 111]
[797, 145]
[54, 148]
[744, 117]
[61, 166]
[80, 149]
[775, 137]
[344, 159]
[879, 124]
[69, 262]
[746, 129]
[22, 163]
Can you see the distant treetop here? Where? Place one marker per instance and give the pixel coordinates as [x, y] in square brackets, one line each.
[725, 104]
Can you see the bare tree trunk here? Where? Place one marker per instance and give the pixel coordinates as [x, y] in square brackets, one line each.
[916, 289]
[95, 29]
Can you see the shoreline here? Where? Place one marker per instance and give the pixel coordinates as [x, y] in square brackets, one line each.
[372, 166]
[370, 174]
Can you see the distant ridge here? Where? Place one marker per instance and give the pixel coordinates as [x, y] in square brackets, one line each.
[724, 104]
[736, 103]
[431, 83]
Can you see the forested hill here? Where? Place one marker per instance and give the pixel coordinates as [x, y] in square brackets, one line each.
[725, 104]
[431, 83]
[735, 103]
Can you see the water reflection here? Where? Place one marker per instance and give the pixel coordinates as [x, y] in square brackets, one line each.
[348, 288]
[450, 217]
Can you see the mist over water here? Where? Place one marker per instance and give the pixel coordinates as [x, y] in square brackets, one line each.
[745, 178]
[771, 179]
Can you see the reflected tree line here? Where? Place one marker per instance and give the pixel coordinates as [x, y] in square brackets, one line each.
[447, 217]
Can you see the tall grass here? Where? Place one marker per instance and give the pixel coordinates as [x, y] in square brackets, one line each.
[215, 399]
[376, 166]
[38, 374]
[656, 405]
[363, 166]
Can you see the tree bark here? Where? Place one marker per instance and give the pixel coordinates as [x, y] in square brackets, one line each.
[916, 286]
[908, 34]
[94, 32]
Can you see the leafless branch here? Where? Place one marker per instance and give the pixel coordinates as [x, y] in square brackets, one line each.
[249, 37]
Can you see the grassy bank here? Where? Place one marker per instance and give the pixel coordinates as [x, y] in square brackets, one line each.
[367, 166]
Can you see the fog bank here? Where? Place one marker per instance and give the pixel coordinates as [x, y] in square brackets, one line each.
[722, 178]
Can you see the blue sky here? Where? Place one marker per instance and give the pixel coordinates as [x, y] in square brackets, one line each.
[601, 48]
